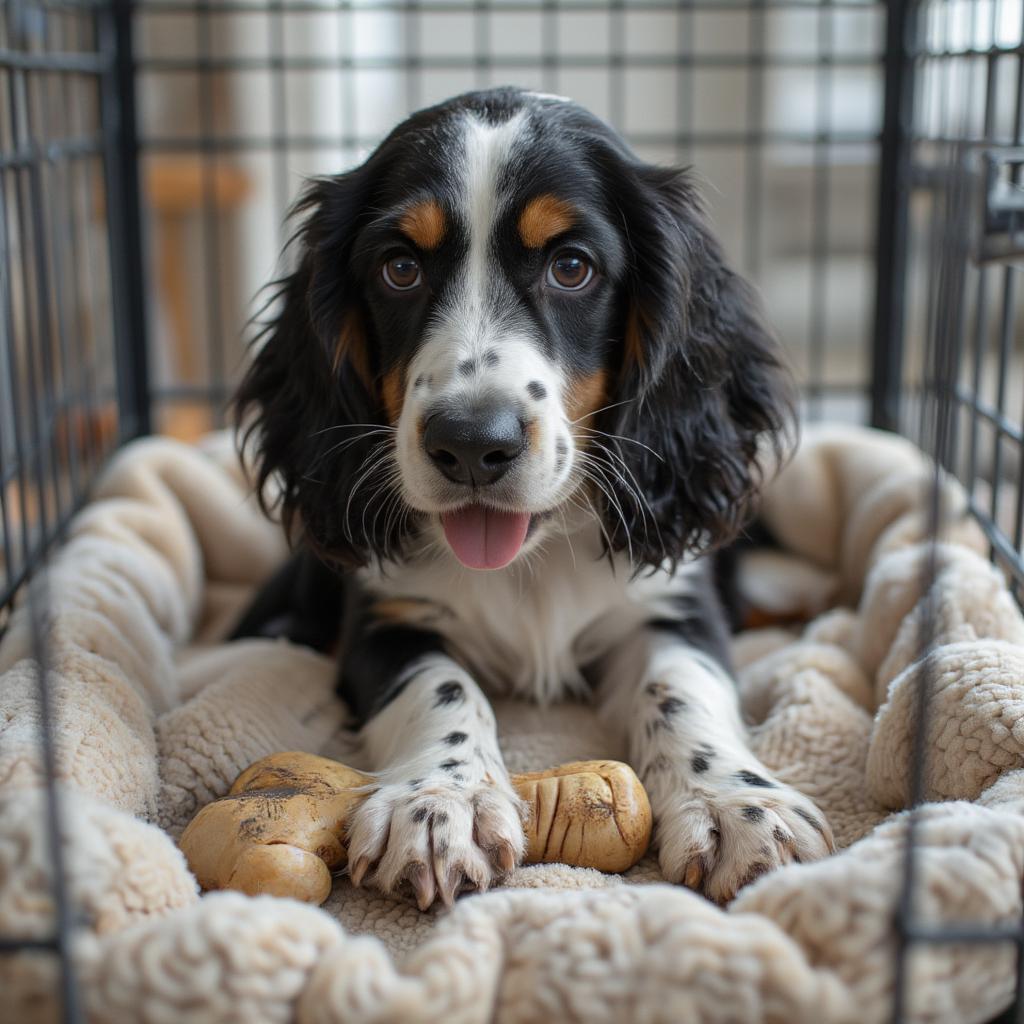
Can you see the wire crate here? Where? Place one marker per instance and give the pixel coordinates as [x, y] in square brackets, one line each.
[863, 161]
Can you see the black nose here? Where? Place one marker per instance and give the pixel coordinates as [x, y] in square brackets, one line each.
[476, 446]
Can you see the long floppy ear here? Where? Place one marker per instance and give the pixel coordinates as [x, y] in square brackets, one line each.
[702, 384]
[307, 406]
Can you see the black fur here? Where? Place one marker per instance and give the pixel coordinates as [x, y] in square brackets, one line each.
[297, 404]
[710, 385]
[302, 601]
[700, 619]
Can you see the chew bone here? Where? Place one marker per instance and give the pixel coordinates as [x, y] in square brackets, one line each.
[281, 828]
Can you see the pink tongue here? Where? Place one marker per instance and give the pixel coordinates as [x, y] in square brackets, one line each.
[483, 538]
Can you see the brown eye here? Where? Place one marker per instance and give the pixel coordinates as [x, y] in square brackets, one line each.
[569, 271]
[402, 273]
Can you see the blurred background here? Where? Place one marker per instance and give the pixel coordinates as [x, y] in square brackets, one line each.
[777, 106]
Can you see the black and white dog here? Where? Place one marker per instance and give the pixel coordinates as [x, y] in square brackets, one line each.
[511, 395]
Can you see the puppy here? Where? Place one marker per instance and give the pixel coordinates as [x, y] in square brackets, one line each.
[510, 398]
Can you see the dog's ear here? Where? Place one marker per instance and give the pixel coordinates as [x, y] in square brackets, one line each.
[702, 383]
[308, 405]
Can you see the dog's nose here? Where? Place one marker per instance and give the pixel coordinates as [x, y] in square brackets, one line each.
[476, 446]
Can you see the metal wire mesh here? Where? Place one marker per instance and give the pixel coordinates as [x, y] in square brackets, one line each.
[65, 367]
[957, 190]
[69, 362]
[963, 139]
[776, 104]
[863, 164]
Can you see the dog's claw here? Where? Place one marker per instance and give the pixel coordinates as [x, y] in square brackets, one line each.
[506, 857]
[422, 880]
[358, 870]
[450, 886]
[694, 874]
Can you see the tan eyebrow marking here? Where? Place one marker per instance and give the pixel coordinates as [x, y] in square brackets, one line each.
[543, 218]
[424, 223]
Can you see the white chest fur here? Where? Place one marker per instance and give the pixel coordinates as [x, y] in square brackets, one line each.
[530, 628]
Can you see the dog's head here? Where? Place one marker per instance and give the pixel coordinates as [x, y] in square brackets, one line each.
[503, 314]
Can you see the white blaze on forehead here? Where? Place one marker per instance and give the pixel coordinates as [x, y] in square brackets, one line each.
[488, 150]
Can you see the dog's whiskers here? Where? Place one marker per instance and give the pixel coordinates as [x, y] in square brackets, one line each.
[604, 408]
[593, 472]
[376, 457]
[346, 442]
[375, 427]
[594, 514]
[633, 488]
[384, 492]
[622, 437]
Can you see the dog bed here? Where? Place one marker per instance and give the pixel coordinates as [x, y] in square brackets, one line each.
[155, 716]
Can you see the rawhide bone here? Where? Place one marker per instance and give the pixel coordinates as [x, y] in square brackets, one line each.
[281, 828]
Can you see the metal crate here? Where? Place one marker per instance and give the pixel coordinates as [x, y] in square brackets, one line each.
[129, 132]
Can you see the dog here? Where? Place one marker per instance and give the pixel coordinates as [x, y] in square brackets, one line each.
[509, 403]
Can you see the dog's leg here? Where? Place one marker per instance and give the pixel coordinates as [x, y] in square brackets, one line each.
[444, 812]
[721, 819]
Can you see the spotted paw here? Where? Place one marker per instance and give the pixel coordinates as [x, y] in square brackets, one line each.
[717, 840]
[435, 838]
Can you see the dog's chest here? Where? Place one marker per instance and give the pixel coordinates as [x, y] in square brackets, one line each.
[531, 629]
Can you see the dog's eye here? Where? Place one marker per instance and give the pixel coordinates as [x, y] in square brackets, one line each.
[402, 273]
[569, 271]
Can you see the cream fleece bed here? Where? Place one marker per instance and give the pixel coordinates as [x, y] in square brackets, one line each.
[156, 717]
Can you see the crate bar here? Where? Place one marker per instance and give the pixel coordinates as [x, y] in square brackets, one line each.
[820, 200]
[683, 140]
[83, 63]
[755, 161]
[981, 309]
[210, 229]
[1006, 341]
[10, 945]
[414, 56]
[29, 154]
[467, 6]
[549, 46]
[39, 604]
[14, 570]
[237, 144]
[52, 225]
[508, 62]
[279, 126]
[937, 435]
[82, 269]
[349, 99]
[964, 934]
[892, 224]
[131, 335]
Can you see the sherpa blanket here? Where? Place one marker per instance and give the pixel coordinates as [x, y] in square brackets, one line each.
[155, 716]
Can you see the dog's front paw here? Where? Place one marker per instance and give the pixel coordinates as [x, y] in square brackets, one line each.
[435, 837]
[718, 839]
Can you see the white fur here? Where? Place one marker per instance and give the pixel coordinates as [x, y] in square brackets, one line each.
[488, 149]
[429, 822]
[716, 830]
[530, 628]
[477, 319]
